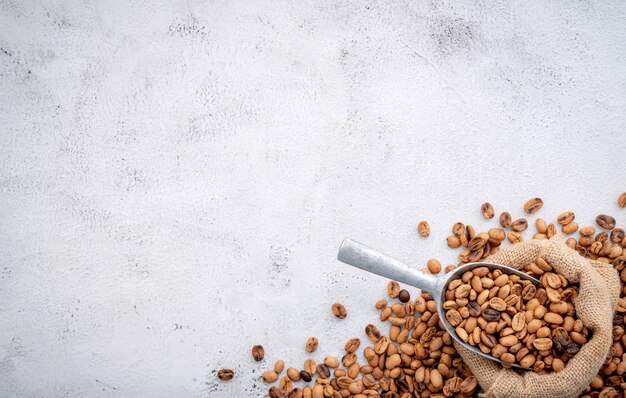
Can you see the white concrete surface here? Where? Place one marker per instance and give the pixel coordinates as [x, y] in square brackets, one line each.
[175, 179]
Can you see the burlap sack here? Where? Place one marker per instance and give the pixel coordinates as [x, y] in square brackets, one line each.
[598, 292]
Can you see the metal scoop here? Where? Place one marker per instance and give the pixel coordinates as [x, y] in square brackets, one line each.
[368, 259]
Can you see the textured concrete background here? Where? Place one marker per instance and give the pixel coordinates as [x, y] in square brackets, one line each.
[175, 179]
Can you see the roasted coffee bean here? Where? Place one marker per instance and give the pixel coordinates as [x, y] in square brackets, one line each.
[453, 241]
[258, 353]
[279, 366]
[566, 217]
[274, 392]
[434, 266]
[404, 296]
[621, 200]
[533, 205]
[311, 344]
[305, 376]
[519, 225]
[339, 310]
[310, 366]
[393, 289]
[458, 229]
[506, 220]
[423, 228]
[293, 374]
[617, 235]
[296, 393]
[491, 315]
[323, 369]
[352, 345]
[225, 374]
[372, 332]
[514, 237]
[605, 221]
[269, 376]
[487, 210]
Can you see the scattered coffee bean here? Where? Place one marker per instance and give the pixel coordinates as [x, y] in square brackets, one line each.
[311, 344]
[458, 229]
[487, 210]
[519, 225]
[566, 217]
[258, 353]
[339, 310]
[293, 374]
[617, 235]
[279, 366]
[269, 376]
[393, 289]
[372, 332]
[453, 241]
[533, 205]
[506, 220]
[434, 266]
[404, 296]
[274, 392]
[305, 376]
[621, 200]
[225, 374]
[423, 228]
[605, 221]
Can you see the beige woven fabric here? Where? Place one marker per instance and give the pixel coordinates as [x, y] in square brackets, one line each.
[598, 292]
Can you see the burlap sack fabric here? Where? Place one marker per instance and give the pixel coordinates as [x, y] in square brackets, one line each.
[598, 293]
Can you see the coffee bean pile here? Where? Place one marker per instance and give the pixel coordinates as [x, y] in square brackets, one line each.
[416, 357]
[514, 321]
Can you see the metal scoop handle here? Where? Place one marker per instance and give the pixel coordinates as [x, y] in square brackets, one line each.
[368, 259]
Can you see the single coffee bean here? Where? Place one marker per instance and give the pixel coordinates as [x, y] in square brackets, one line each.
[469, 385]
[542, 343]
[566, 217]
[372, 332]
[323, 370]
[393, 289]
[478, 242]
[605, 221]
[225, 374]
[404, 296]
[339, 310]
[621, 200]
[293, 374]
[506, 220]
[458, 229]
[279, 366]
[487, 210]
[617, 235]
[533, 205]
[285, 386]
[310, 366]
[352, 345]
[296, 393]
[434, 266]
[258, 353]
[311, 344]
[514, 237]
[519, 322]
[269, 376]
[453, 241]
[423, 228]
[305, 376]
[274, 392]
[519, 225]
[491, 315]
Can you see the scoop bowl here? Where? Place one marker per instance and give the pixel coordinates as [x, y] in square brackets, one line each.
[360, 256]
